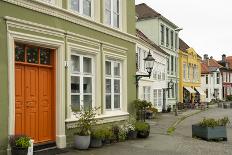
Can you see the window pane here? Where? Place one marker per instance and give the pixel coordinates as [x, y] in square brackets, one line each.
[116, 101]
[45, 57]
[116, 86]
[75, 84]
[108, 101]
[117, 69]
[87, 101]
[75, 5]
[19, 52]
[108, 4]
[32, 55]
[116, 6]
[108, 17]
[75, 99]
[108, 86]
[87, 84]
[87, 64]
[116, 20]
[75, 63]
[108, 68]
[87, 7]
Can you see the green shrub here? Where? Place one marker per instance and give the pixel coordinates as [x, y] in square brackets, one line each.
[142, 126]
[210, 122]
[142, 104]
[22, 142]
[108, 133]
[98, 133]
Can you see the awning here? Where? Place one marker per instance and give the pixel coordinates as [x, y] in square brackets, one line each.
[200, 91]
[192, 91]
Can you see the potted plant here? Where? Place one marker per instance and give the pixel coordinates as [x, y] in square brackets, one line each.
[86, 119]
[130, 128]
[19, 145]
[108, 135]
[143, 129]
[141, 107]
[211, 129]
[97, 136]
[122, 134]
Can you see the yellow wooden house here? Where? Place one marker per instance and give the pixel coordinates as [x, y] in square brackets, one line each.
[190, 75]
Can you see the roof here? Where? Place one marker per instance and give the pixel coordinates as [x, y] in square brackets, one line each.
[204, 68]
[183, 46]
[143, 11]
[142, 36]
[228, 60]
[209, 65]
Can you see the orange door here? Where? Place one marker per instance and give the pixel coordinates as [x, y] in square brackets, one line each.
[19, 100]
[31, 102]
[33, 93]
[45, 119]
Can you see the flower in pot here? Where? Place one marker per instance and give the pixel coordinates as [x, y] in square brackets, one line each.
[143, 129]
[97, 136]
[86, 119]
[19, 145]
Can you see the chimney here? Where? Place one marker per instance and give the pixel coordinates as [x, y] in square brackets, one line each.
[206, 57]
[223, 58]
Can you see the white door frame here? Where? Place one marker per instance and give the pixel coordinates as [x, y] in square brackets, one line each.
[59, 46]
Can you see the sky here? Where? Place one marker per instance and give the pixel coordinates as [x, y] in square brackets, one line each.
[207, 24]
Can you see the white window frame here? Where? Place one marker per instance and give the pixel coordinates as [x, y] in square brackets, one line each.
[112, 77]
[81, 74]
[112, 15]
[81, 9]
[155, 97]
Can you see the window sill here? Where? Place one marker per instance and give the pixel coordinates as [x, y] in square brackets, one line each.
[109, 116]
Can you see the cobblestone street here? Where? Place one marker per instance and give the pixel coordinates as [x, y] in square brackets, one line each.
[180, 143]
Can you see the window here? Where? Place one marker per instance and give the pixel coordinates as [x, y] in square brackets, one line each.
[84, 7]
[173, 91]
[168, 64]
[207, 79]
[146, 93]
[218, 78]
[160, 100]
[207, 93]
[155, 75]
[138, 58]
[162, 34]
[82, 79]
[144, 63]
[167, 37]
[185, 71]
[172, 39]
[155, 97]
[176, 41]
[112, 13]
[163, 76]
[189, 66]
[172, 64]
[113, 85]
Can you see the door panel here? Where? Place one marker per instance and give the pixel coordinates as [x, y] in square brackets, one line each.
[19, 100]
[45, 106]
[31, 102]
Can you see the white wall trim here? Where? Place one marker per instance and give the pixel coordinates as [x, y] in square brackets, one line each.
[71, 17]
[60, 92]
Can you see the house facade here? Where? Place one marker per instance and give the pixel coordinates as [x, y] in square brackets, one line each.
[58, 56]
[152, 89]
[211, 79]
[190, 75]
[226, 72]
[164, 33]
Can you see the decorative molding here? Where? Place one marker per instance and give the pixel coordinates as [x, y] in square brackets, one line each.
[71, 17]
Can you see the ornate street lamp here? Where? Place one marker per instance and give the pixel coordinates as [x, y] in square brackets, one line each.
[170, 84]
[149, 64]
